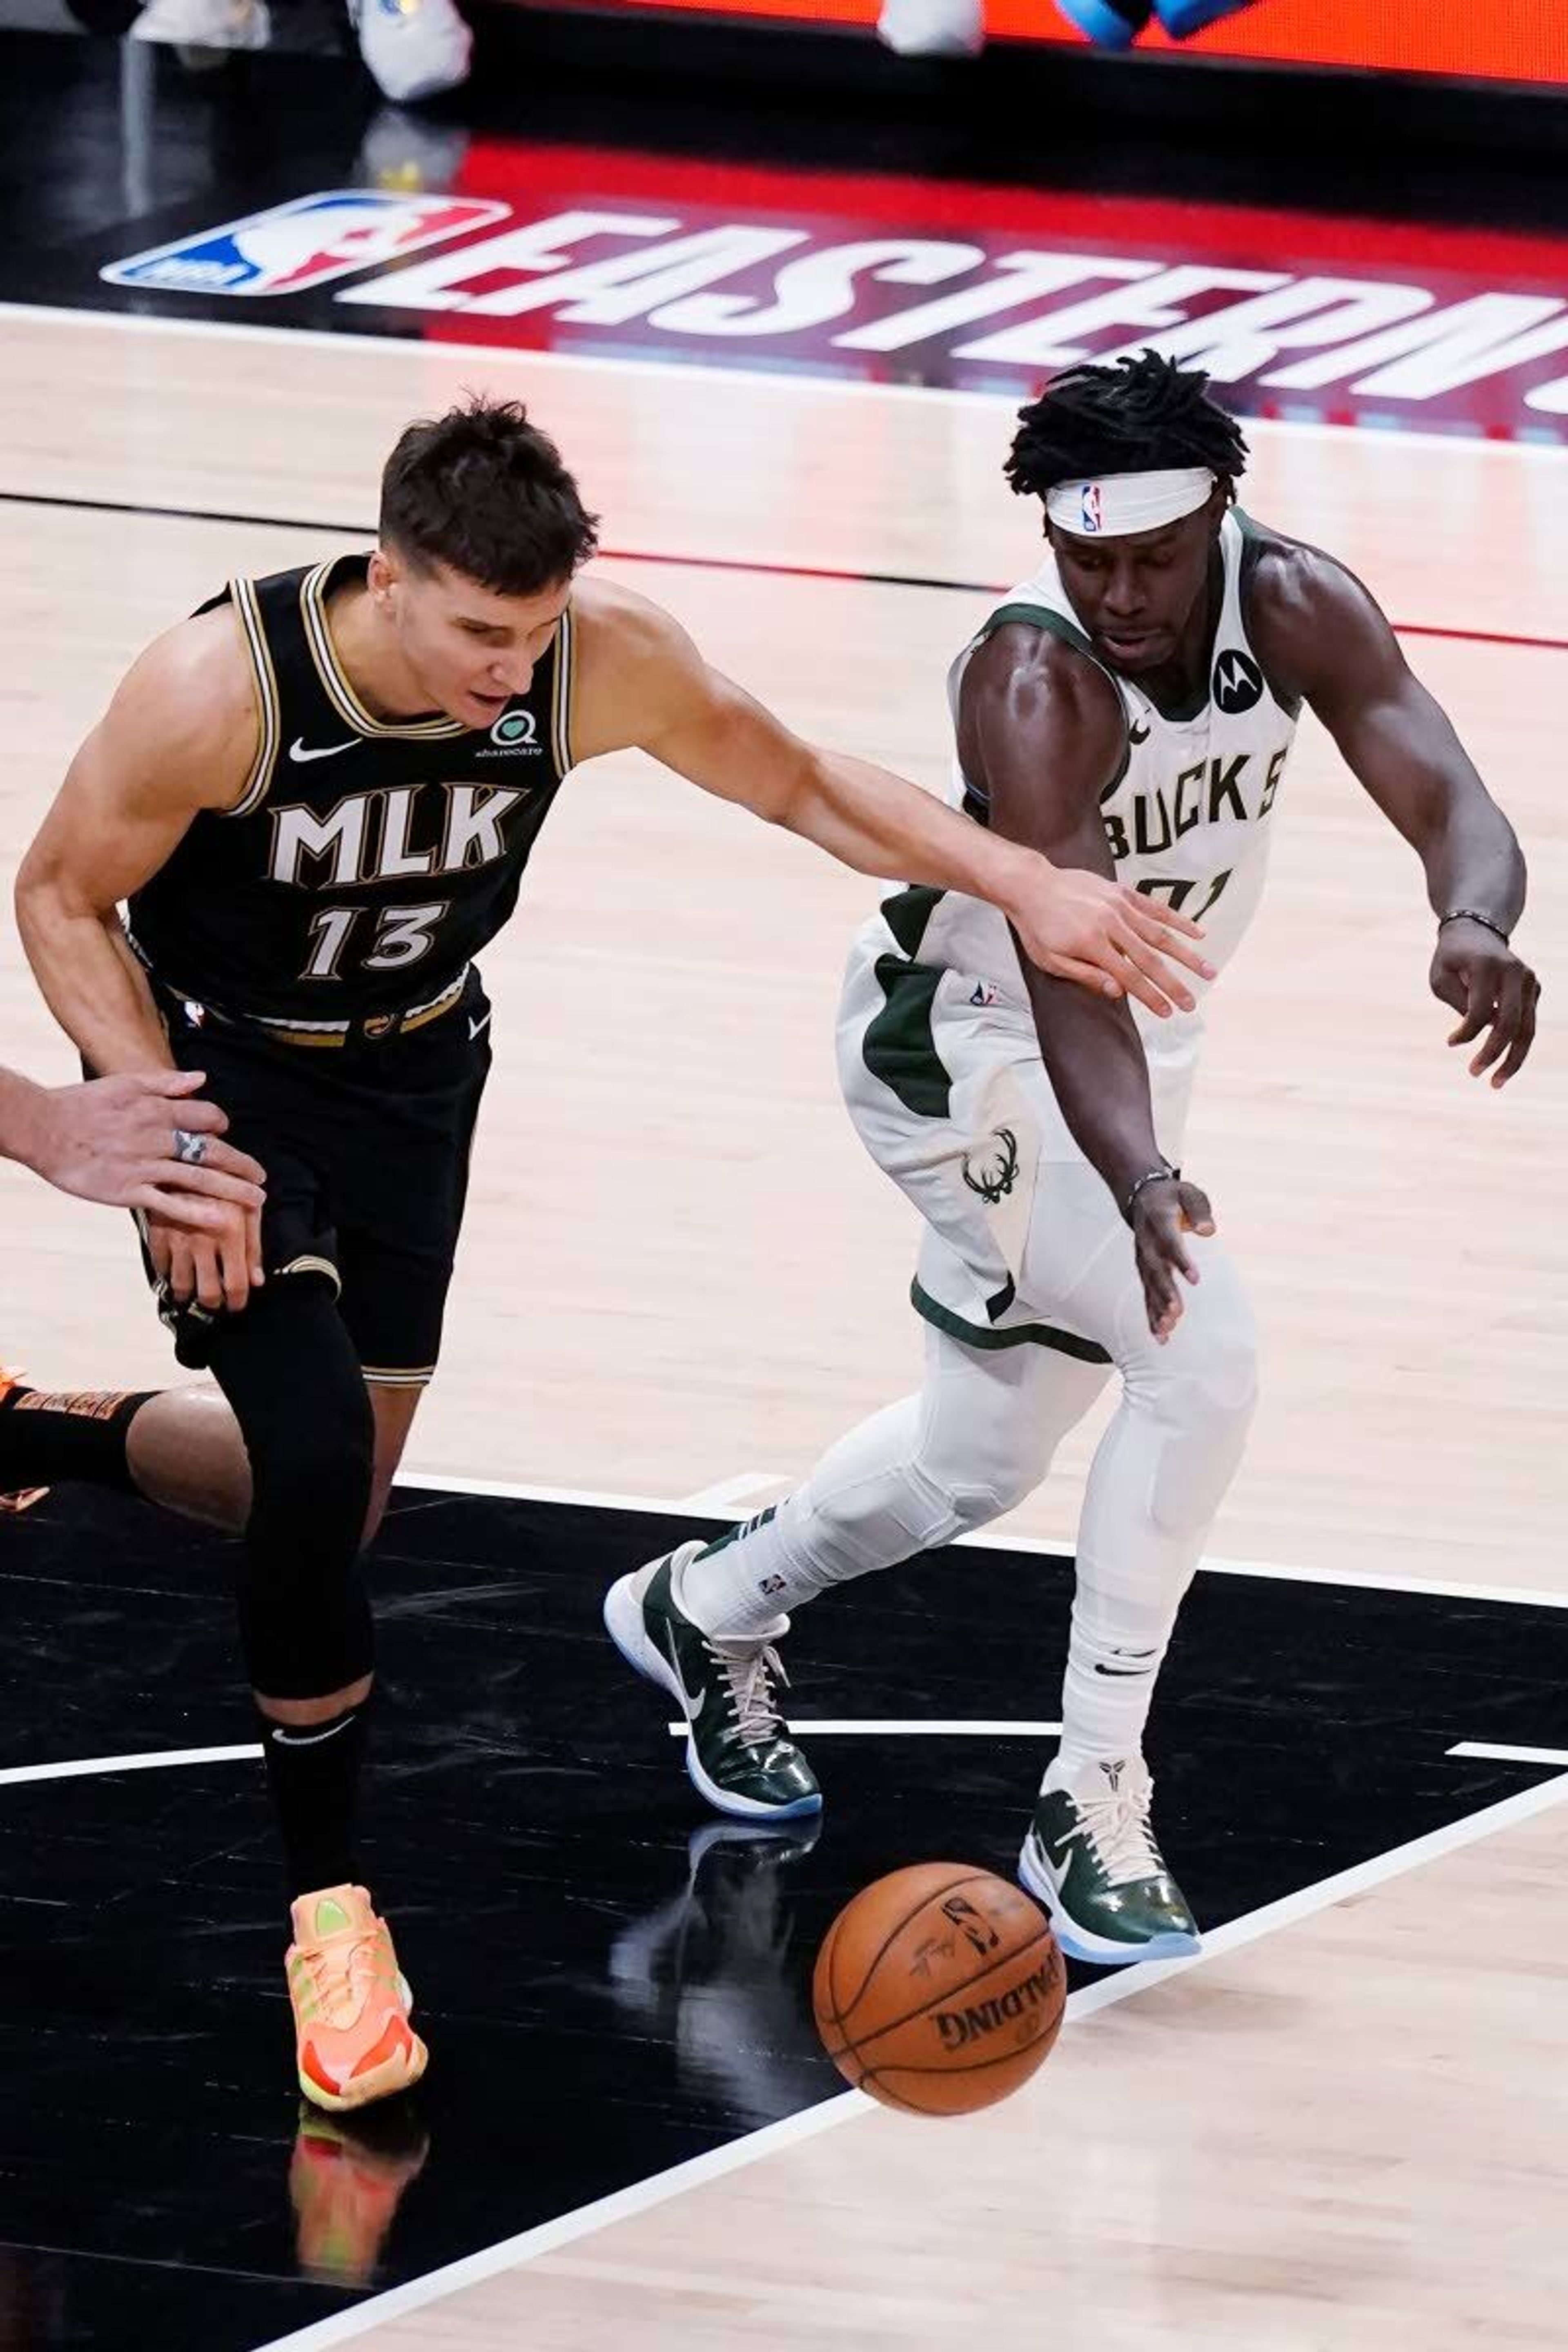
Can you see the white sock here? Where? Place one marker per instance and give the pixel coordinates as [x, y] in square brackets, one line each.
[754, 1618]
[1109, 1687]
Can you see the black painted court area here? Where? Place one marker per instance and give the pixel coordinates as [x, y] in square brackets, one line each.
[609, 1985]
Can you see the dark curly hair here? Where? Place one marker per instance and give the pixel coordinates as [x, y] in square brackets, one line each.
[1136, 415]
[483, 490]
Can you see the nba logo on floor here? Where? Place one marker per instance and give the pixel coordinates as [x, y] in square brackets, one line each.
[304, 243]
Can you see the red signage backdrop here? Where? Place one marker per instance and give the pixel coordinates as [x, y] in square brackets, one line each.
[1502, 40]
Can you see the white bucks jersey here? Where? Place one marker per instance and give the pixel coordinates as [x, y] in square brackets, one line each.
[1188, 817]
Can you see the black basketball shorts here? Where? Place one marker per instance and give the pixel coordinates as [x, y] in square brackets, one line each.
[366, 1144]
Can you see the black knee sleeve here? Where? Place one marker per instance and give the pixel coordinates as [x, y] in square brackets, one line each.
[289, 1369]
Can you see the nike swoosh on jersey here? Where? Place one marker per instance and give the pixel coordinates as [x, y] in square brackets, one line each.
[297, 750]
[475, 1026]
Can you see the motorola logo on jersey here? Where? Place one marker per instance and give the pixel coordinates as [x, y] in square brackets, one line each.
[1237, 682]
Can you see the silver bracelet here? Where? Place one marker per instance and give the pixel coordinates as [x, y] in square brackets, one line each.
[1166, 1175]
[1474, 915]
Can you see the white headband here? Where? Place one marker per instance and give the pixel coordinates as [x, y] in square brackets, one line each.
[1117, 504]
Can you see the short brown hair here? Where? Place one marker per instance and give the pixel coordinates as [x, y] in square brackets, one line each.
[484, 491]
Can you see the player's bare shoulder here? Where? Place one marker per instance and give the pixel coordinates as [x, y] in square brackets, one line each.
[1027, 686]
[1297, 599]
[186, 714]
[633, 663]
[1278, 571]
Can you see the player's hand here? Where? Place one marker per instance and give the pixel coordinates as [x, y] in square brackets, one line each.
[1162, 1214]
[214, 1269]
[1080, 926]
[113, 1139]
[1484, 981]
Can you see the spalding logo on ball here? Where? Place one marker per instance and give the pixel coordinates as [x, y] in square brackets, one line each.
[938, 1990]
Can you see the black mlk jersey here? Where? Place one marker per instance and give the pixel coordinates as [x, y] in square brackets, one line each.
[367, 860]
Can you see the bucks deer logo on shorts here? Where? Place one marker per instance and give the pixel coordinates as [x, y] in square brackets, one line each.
[993, 1173]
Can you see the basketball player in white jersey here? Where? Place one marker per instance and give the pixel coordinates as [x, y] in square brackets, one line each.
[1129, 709]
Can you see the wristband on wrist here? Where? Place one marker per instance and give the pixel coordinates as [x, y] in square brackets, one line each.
[1162, 1175]
[1474, 915]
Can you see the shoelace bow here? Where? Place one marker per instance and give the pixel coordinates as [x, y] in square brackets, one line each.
[750, 1675]
[344, 1975]
[1116, 1829]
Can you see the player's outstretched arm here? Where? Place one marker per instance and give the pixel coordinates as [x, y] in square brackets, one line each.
[1082, 927]
[113, 1140]
[1044, 735]
[1322, 634]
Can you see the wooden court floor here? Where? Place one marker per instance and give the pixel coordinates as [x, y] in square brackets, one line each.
[679, 1272]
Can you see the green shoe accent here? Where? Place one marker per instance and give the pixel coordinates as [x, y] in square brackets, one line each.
[331, 1918]
[1091, 1857]
[739, 1752]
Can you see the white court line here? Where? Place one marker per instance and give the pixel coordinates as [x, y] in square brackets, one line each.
[1501, 1754]
[152, 1761]
[779, 379]
[1255, 1924]
[732, 1490]
[591, 1497]
[529, 2245]
[896, 1728]
[826, 1726]
[1361, 1579]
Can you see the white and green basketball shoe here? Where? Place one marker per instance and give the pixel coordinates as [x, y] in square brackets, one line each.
[1090, 1858]
[739, 1752]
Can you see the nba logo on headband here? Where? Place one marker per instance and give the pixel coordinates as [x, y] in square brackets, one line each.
[1118, 504]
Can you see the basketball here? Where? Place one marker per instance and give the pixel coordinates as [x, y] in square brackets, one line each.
[939, 1989]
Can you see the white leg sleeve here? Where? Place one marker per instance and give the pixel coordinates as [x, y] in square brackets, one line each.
[1158, 1477]
[978, 1438]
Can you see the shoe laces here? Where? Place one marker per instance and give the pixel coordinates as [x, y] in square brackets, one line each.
[749, 1673]
[1117, 1829]
[345, 1973]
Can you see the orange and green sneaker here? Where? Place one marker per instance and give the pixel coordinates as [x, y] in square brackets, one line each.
[351, 2003]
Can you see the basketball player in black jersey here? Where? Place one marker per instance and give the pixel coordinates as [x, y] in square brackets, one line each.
[318, 796]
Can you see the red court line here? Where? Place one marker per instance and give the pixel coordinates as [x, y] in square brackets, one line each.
[760, 568]
[1000, 588]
